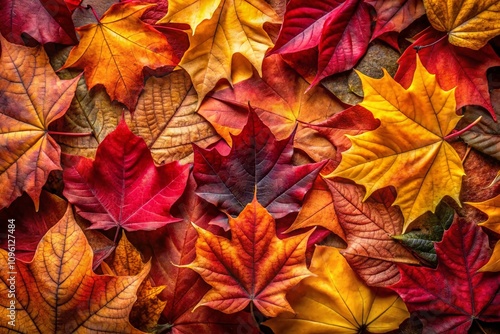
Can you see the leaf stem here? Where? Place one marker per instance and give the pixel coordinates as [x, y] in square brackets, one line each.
[116, 234]
[69, 134]
[420, 47]
[454, 133]
[94, 12]
[253, 317]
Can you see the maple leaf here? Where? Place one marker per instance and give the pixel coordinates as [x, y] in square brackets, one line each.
[254, 266]
[494, 262]
[114, 52]
[122, 187]
[452, 296]
[256, 164]
[468, 24]
[340, 30]
[147, 309]
[221, 29]
[369, 227]
[409, 150]
[60, 284]
[31, 97]
[175, 243]
[454, 66]
[335, 300]
[45, 21]
[281, 100]
[166, 119]
[492, 208]
[393, 16]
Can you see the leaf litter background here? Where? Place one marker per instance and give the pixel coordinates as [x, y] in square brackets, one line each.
[246, 166]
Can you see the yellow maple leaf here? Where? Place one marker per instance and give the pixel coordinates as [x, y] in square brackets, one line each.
[492, 208]
[469, 23]
[335, 300]
[408, 150]
[494, 262]
[221, 29]
[115, 51]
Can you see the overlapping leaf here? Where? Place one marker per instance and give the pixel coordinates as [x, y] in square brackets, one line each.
[114, 52]
[494, 262]
[254, 266]
[45, 21]
[450, 297]
[340, 30]
[257, 164]
[408, 150]
[470, 24]
[166, 119]
[368, 228]
[492, 208]
[31, 97]
[122, 187]
[335, 300]
[60, 284]
[221, 29]
[453, 66]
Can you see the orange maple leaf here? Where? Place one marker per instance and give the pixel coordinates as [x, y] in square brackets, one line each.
[115, 51]
[31, 97]
[59, 293]
[254, 266]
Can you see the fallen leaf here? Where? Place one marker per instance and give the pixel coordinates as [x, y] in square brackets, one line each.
[220, 29]
[335, 300]
[282, 103]
[60, 284]
[432, 229]
[175, 244]
[254, 266]
[469, 24]
[393, 16]
[115, 51]
[409, 150]
[257, 164]
[166, 119]
[31, 97]
[453, 66]
[492, 208]
[454, 295]
[148, 307]
[122, 187]
[369, 227]
[45, 21]
[340, 30]
[494, 262]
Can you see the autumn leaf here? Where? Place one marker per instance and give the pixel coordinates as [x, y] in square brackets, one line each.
[492, 208]
[60, 284]
[122, 187]
[453, 66]
[147, 309]
[256, 164]
[221, 29]
[31, 97]
[175, 244]
[45, 21]
[494, 262]
[454, 295]
[394, 16]
[254, 266]
[432, 229]
[283, 103]
[166, 119]
[115, 51]
[340, 30]
[335, 300]
[469, 24]
[409, 150]
[369, 227]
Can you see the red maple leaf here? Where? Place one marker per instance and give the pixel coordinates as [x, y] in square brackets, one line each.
[449, 298]
[122, 187]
